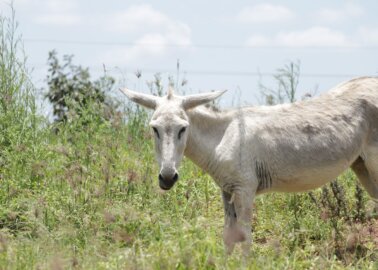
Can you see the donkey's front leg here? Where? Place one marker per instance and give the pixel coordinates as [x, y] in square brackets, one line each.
[231, 234]
[243, 200]
[237, 217]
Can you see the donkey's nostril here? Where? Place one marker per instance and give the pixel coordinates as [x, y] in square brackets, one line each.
[166, 182]
[172, 179]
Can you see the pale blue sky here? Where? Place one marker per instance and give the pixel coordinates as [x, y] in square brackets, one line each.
[220, 44]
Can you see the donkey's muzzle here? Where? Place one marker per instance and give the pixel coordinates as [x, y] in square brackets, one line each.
[166, 182]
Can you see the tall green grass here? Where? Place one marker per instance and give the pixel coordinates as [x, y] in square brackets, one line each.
[87, 197]
[21, 128]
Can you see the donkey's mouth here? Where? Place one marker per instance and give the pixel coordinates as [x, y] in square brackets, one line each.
[167, 185]
[163, 187]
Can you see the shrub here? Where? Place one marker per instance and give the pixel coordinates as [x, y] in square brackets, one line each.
[71, 91]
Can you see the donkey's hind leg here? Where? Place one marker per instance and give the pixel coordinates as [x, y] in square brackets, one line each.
[367, 173]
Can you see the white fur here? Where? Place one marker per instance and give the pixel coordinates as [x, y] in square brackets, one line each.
[254, 150]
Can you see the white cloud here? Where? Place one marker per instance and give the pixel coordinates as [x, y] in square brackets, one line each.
[347, 12]
[368, 36]
[142, 19]
[137, 18]
[126, 55]
[58, 19]
[155, 34]
[258, 41]
[51, 12]
[60, 6]
[265, 13]
[311, 37]
[47, 5]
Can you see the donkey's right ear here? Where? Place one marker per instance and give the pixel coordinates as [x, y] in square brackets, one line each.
[148, 101]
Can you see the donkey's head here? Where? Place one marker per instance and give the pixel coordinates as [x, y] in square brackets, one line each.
[170, 124]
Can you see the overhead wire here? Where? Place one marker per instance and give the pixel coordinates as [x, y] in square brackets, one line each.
[200, 46]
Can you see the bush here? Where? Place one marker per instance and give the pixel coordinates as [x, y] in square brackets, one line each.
[71, 91]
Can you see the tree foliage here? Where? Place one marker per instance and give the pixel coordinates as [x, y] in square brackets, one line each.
[72, 91]
[287, 79]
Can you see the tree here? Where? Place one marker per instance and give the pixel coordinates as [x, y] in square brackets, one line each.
[287, 79]
[71, 89]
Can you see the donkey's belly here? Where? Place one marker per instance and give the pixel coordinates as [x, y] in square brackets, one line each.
[309, 178]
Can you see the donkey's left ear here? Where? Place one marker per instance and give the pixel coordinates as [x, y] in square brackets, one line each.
[148, 101]
[192, 101]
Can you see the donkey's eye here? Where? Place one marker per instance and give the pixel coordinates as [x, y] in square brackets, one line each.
[181, 132]
[156, 132]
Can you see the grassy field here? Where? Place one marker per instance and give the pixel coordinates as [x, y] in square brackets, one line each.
[86, 197]
[89, 199]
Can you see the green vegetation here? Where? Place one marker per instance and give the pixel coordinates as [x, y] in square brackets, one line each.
[87, 197]
[71, 91]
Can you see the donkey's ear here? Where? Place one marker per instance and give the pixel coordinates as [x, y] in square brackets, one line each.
[148, 101]
[192, 101]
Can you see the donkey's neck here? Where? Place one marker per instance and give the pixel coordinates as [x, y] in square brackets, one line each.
[207, 129]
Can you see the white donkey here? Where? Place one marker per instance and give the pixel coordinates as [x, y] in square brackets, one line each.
[254, 150]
